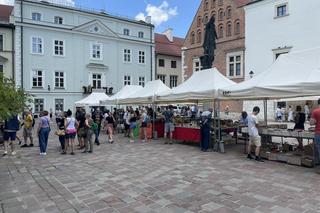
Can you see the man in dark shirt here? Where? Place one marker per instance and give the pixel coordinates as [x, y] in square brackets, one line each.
[168, 123]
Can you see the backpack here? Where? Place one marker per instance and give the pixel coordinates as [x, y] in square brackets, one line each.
[94, 127]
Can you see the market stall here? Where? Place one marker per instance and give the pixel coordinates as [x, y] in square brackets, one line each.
[92, 100]
[126, 92]
[293, 75]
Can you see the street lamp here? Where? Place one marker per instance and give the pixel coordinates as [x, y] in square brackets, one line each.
[251, 74]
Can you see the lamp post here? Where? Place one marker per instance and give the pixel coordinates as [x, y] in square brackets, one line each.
[251, 74]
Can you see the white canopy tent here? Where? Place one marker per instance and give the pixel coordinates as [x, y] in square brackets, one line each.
[147, 94]
[202, 85]
[294, 74]
[92, 100]
[126, 92]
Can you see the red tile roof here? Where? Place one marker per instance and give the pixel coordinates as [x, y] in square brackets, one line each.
[5, 12]
[241, 3]
[166, 47]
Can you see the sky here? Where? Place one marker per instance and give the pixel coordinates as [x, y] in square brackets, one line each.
[175, 14]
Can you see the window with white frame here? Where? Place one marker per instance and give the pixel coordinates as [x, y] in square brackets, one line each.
[196, 65]
[140, 34]
[96, 51]
[59, 104]
[173, 81]
[59, 80]
[38, 105]
[142, 57]
[58, 47]
[58, 20]
[36, 45]
[37, 78]
[127, 55]
[96, 81]
[126, 32]
[126, 80]
[141, 81]
[234, 65]
[162, 78]
[282, 10]
[1, 42]
[36, 16]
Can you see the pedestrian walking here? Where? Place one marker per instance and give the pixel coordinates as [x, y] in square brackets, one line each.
[11, 126]
[60, 119]
[27, 129]
[81, 133]
[299, 121]
[70, 125]
[133, 124]
[144, 124]
[97, 118]
[109, 123]
[168, 115]
[206, 120]
[315, 120]
[43, 132]
[91, 128]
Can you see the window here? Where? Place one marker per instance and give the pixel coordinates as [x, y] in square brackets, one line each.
[140, 34]
[37, 78]
[141, 81]
[213, 13]
[127, 80]
[58, 104]
[59, 80]
[199, 21]
[281, 10]
[58, 48]
[161, 63]
[1, 42]
[199, 36]
[192, 38]
[220, 31]
[220, 2]
[228, 12]
[96, 51]
[228, 33]
[213, 3]
[127, 55]
[196, 65]
[38, 105]
[234, 64]
[173, 64]
[96, 81]
[221, 15]
[173, 81]
[36, 43]
[142, 57]
[237, 27]
[162, 78]
[36, 16]
[206, 4]
[1, 68]
[58, 20]
[206, 18]
[126, 32]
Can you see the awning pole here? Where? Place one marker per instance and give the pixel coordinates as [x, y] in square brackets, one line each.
[265, 105]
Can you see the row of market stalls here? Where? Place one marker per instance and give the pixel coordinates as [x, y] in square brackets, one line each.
[293, 75]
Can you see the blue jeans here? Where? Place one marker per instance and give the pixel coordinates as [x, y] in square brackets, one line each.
[205, 138]
[317, 146]
[62, 141]
[43, 139]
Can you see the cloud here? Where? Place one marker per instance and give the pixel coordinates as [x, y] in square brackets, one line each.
[63, 2]
[159, 14]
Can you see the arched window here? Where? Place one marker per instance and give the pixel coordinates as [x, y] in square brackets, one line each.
[198, 21]
[213, 13]
[220, 31]
[213, 3]
[237, 27]
[228, 31]
[220, 2]
[192, 38]
[228, 12]
[206, 4]
[199, 36]
[221, 15]
[206, 18]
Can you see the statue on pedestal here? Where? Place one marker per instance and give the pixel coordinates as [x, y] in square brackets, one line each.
[209, 44]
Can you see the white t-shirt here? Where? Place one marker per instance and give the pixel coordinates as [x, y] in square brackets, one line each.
[252, 129]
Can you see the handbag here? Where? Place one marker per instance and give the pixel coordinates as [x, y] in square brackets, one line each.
[60, 132]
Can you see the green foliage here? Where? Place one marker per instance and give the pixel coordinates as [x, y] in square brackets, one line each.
[13, 100]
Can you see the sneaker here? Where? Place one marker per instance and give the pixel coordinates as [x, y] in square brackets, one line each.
[259, 159]
[5, 153]
[72, 153]
[170, 143]
[24, 145]
[143, 141]
[31, 145]
[111, 142]
[85, 151]
[250, 157]
[131, 141]
[90, 151]
[44, 153]
[41, 153]
[13, 153]
[63, 153]
[166, 142]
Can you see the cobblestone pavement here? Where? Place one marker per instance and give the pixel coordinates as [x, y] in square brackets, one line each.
[152, 177]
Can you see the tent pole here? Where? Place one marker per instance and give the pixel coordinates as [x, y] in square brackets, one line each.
[265, 105]
[214, 124]
[154, 106]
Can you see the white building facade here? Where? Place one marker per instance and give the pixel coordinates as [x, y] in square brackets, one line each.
[275, 27]
[62, 52]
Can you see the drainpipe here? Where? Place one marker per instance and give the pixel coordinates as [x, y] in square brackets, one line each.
[13, 53]
[151, 58]
[21, 38]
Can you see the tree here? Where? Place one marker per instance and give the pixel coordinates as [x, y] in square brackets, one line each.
[12, 100]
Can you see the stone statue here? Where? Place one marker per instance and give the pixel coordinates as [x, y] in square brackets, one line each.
[209, 44]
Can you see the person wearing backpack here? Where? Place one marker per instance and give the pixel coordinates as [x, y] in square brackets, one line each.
[91, 128]
[144, 124]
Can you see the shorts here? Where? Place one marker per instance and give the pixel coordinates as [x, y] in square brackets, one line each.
[10, 136]
[255, 140]
[70, 136]
[27, 132]
[126, 126]
[133, 125]
[168, 127]
[82, 133]
[144, 124]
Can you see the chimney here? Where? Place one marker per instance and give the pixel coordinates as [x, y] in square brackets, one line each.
[148, 19]
[169, 33]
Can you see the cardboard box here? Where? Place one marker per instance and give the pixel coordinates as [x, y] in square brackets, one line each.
[294, 160]
[307, 162]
